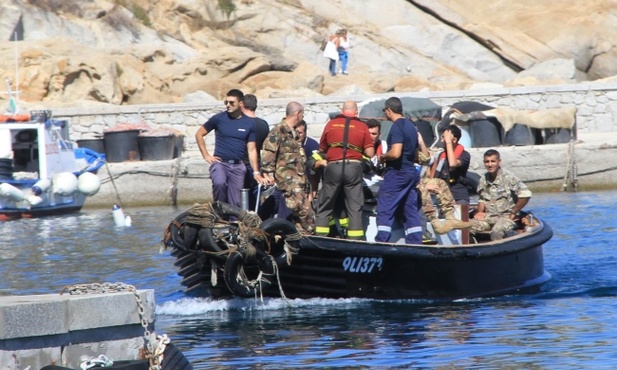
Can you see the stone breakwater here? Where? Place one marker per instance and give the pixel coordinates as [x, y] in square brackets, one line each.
[596, 109]
[186, 180]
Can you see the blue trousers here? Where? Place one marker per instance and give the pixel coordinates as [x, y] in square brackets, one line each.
[342, 56]
[332, 67]
[227, 182]
[398, 190]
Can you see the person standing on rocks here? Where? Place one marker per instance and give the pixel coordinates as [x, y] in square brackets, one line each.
[283, 161]
[235, 141]
[343, 46]
[331, 52]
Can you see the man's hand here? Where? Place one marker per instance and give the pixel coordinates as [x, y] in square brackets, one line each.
[320, 163]
[269, 180]
[480, 216]
[447, 136]
[260, 179]
[211, 159]
[433, 188]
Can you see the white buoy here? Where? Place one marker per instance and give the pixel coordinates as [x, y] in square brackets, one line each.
[88, 183]
[9, 191]
[34, 200]
[41, 186]
[118, 214]
[64, 183]
[128, 221]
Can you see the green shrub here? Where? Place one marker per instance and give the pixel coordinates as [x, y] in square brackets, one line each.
[227, 7]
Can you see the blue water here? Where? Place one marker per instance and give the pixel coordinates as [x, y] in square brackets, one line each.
[569, 324]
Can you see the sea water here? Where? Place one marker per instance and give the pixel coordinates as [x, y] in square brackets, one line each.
[568, 324]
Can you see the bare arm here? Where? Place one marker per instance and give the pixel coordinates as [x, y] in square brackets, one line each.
[520, 204]
[201, 144]
[393, 153]
[423, 155]
[251, 147]
[453, 162]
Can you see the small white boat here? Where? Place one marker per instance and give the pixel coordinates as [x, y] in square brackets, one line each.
[40, 171]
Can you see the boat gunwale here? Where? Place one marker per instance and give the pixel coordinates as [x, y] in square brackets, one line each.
[526, 240]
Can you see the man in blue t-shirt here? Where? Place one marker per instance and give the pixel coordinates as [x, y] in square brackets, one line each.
[234, 139]
[249, 106]
[400, 178]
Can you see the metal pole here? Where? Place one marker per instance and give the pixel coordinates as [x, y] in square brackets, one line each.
[245, 199]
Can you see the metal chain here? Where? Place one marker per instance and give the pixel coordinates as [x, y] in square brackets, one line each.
[154, 352]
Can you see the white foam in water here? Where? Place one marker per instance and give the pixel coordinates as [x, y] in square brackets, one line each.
[197, 306]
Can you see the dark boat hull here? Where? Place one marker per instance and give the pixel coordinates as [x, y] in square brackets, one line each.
[6, 215]
[339, 268]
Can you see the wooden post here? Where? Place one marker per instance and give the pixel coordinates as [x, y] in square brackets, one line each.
[465, 217]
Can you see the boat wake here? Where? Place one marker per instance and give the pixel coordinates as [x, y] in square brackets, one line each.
[199, 306]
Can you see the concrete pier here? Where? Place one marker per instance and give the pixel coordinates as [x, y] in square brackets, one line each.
[54, 329]
[187, 180]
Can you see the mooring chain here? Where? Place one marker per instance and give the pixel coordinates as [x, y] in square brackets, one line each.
[155, 344]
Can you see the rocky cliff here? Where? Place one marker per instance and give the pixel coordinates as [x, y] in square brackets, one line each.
[70, 52]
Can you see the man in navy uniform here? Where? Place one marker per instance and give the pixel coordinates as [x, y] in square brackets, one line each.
[400, 178]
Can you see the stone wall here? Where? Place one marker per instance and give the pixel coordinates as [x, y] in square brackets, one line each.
[596, 109]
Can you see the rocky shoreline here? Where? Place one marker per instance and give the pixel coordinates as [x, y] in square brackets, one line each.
[185, 180]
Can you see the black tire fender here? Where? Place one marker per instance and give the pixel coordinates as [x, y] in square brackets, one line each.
[225, 209]
[177, 238]
[236, 261]
[207, 241]
[279, 227]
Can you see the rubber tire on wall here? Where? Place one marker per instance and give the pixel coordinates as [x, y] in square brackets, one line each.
[485, 133]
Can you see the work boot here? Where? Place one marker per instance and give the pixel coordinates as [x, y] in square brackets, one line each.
[439, 227]
[457, 224]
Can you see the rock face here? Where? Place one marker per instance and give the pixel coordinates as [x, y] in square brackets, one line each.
[70, 51]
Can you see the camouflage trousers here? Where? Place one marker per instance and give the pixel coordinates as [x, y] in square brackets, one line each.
[444, 198]
[299, 203]
[497, 225]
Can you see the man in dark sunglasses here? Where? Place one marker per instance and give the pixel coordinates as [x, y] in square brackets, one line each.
[234, 141]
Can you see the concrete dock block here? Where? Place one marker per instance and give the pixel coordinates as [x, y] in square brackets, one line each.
[32, 316]
[101, 310]
[54, 329]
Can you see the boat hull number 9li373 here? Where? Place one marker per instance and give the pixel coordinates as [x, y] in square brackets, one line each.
[362, 265]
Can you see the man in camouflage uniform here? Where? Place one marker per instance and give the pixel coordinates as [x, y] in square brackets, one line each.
[501, 196]
[283, 161]
[446, 204]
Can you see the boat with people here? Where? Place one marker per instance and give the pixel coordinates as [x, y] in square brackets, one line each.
[41, 172]
[224, 251]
